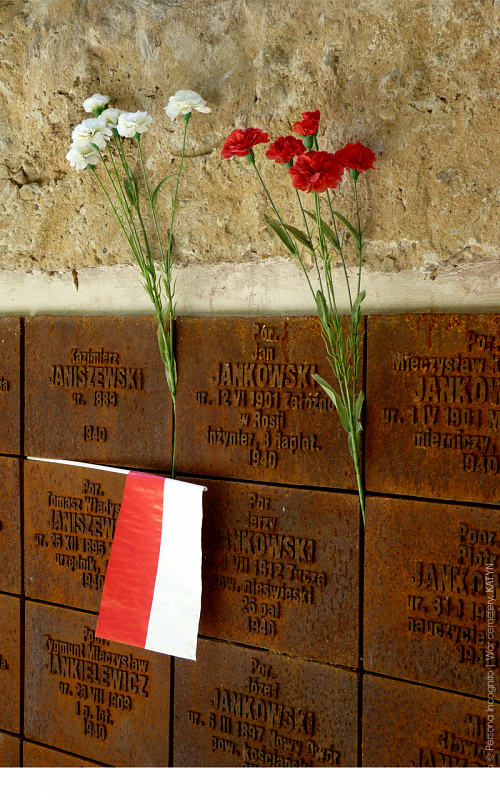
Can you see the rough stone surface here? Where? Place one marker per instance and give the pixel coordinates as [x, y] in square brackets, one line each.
[416, 82]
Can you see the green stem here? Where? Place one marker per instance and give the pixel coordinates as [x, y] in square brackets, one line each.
[359, 231]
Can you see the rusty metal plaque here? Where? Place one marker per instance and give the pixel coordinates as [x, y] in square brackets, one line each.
[70, 516]
[10, 526]
[249, 407]
[433, 406]
[281, 569]
[96, 391]
[432, 586]
[10, 750]
[106, 701]
[405, 725]
[38, 755]
[10, 663]
[10, 386]
[240, 707]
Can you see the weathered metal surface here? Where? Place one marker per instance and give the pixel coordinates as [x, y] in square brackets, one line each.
[37, 755]
[106, 701]
[96, 391]
[10, 526]
[281, 569]
[10, 663]
[70, 519]
[237, 707]
[10, 385]
[249, 408]
[10, 750]
[428, 613]
[405, 725]
[433, 406]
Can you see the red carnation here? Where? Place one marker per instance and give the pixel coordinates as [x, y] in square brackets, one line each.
[356, 157]
[239, 143]
[309, 124]
[284, 149]
[316, 172]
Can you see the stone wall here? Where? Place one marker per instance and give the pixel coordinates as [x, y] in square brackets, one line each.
[415, 81]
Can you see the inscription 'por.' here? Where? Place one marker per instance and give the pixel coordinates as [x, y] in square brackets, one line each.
[272, 375]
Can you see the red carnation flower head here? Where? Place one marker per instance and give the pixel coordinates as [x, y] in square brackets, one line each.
[316, 172]
[309, 124]
[240, 143]
[356, 157]
[285, 149]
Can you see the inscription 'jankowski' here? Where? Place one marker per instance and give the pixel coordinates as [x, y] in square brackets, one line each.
[268, 570]
[80, 531]
[256, 724]
[98, 682]
[456, 602]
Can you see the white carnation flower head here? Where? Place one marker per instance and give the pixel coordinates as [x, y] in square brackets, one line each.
[184, 102]
[110, 116]
[81, 156]
[132, 122]
[97, 102]
[92, 131]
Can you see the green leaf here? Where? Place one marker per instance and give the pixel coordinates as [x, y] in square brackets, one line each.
[300, 236]
[356, 307]
[154, 196]
[276, 227]
[322, 308]
[352, 230]
[130, 186]
[328, 232]
[359, 405]
[339, 405]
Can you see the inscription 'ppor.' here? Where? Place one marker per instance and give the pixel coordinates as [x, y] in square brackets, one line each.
[106, 701]
[238, 707]
[249, 407]
[433, 406]
[432, 592]
[70, 520]
[452, 732]
[281, 570]
[96, 391]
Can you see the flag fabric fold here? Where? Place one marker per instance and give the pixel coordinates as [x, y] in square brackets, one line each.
[152, 590]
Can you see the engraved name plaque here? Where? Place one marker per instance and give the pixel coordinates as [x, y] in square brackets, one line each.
[37, 755]
[10, 750]
[405, 725]
[433, 406]
[105, 701]
[432, 589]
[96, 392]
[249, 407]
[10, 385]
[239, 707]
[281, 569]
[70, 521]
[10, 526]
[10, 663]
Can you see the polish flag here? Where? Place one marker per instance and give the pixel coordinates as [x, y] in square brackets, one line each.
[152, 590]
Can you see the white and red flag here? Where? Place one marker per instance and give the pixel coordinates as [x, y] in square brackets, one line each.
[152, 590]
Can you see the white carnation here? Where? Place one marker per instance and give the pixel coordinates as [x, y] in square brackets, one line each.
[81, 155]
[132, 122]
[110, 116]
[92, 131]
[96, 102]
[184, 102]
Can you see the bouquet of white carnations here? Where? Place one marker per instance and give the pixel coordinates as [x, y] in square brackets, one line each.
[99, 140]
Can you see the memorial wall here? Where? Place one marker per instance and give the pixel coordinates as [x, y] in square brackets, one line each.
[321, 644]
